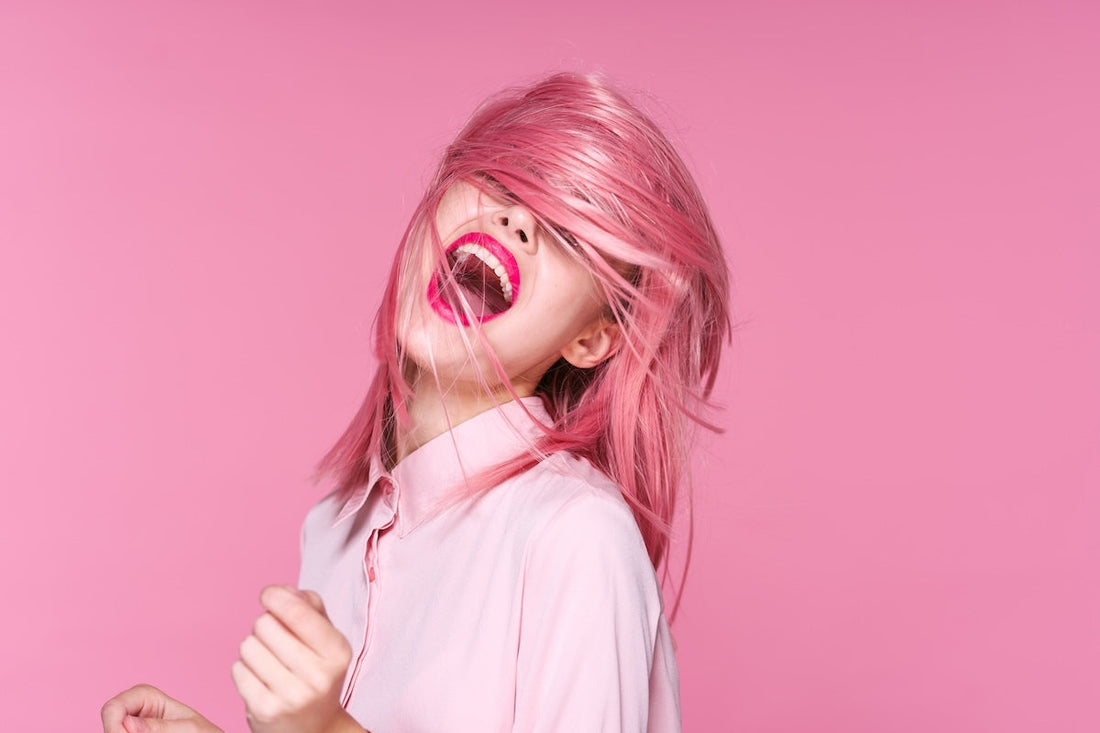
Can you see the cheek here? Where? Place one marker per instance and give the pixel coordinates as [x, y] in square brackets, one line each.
[575, 307]
[526, 342]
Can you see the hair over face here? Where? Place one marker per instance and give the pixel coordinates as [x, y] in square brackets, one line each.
[596, 172]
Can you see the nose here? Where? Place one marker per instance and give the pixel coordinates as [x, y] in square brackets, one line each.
[519, 225]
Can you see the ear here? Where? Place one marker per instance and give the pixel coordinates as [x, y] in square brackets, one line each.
[598, 341]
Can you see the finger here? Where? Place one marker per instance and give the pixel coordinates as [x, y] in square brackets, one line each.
[314, 599]
[303, 620]
[137, 700]
[287, 648]
[143, 701]
[153, 725]
[268, 669]
[256, 695]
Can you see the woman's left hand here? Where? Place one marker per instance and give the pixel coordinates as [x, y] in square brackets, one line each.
[292, 666]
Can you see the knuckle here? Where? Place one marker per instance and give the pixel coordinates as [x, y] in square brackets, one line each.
[296, 614]
[267, 709]
[116, 708]
[237, 672]
[298, 698]
[315, 599]
[109, 707]
[270, 594]
[263, 625]
[258, 709]
[318, 681]
[343, 653]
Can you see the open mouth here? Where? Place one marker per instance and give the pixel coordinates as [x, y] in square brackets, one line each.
[482, 272]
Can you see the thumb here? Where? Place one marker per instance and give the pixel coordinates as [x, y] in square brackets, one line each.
[134, 724]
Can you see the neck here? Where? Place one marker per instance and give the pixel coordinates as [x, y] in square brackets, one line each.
[434, 409]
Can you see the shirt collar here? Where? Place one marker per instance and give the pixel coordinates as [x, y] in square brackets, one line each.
[421, 479]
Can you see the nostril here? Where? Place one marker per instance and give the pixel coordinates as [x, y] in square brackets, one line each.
[523, 236]
[504, 221]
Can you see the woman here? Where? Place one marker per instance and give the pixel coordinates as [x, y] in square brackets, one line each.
[487, 560]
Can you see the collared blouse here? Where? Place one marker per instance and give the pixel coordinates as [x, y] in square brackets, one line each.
[530, 607]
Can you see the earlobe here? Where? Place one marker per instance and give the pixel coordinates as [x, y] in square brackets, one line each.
[594, 345]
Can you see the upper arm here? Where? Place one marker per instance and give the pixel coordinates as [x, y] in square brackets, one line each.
[590, 613]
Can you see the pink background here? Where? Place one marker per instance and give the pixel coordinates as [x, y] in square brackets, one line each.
[897, 532]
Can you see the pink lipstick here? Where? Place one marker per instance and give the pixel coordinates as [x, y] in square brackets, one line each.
[478, 271]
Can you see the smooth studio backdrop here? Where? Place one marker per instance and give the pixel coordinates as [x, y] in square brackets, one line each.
[898, 529]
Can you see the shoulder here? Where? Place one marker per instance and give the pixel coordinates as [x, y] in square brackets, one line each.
[586, 531]
[321, 516]
[567, 497]
[324, 511]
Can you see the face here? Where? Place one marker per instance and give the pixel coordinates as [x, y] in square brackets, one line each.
[533, 300]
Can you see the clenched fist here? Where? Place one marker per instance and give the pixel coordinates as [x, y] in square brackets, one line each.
[292, 666]
[145, 709]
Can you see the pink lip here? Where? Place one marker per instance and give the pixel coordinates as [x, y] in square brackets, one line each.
[443, 308]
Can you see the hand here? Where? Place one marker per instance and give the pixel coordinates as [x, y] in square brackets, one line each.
[292, 666]
[145, 709]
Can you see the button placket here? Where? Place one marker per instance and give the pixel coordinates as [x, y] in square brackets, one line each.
[370, 567]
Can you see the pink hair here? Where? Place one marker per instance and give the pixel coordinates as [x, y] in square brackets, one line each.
[597, 172]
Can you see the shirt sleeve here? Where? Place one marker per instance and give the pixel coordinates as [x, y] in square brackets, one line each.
[591, 610]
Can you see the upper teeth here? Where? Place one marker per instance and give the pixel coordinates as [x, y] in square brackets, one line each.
[492, 263]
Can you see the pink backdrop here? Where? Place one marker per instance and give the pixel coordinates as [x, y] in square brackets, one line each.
[897, 532]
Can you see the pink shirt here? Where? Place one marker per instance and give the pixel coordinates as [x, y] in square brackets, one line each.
[533, 607]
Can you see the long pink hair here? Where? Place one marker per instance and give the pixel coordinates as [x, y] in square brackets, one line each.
[597, 173]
